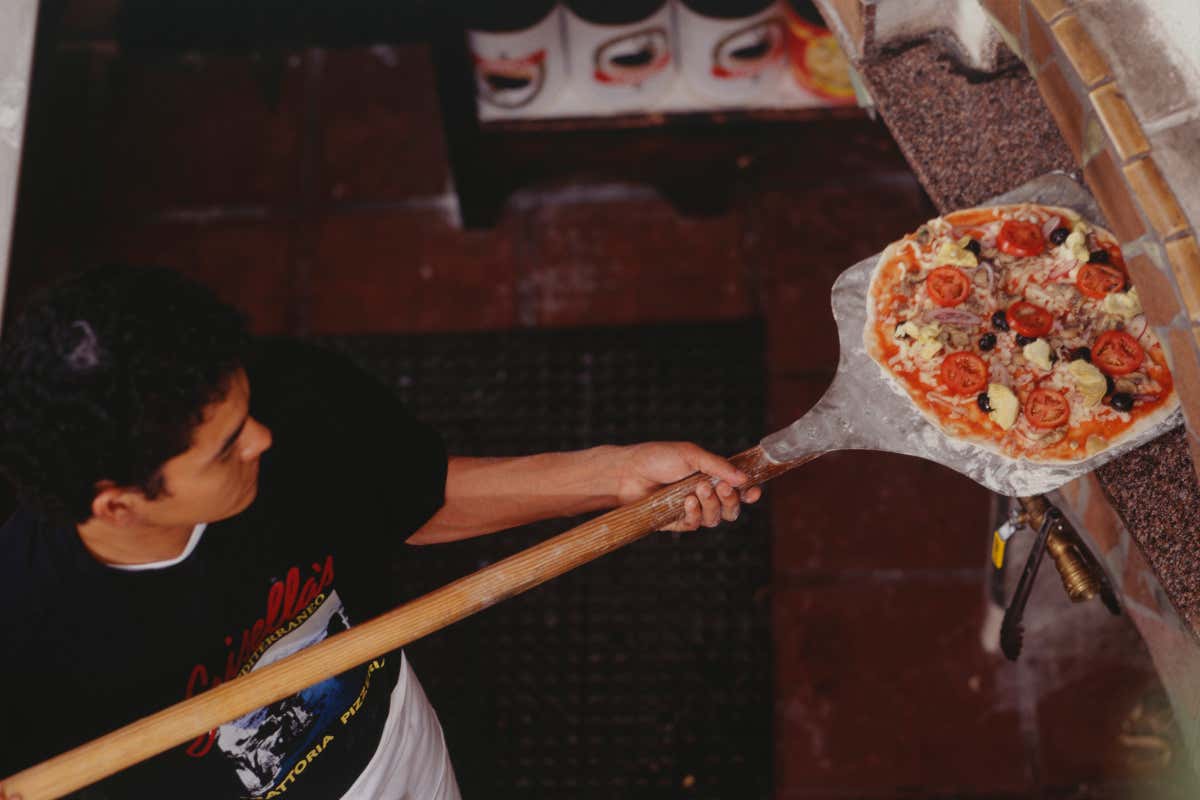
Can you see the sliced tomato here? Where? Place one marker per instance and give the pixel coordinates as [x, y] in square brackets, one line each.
[948, 286]
[1021, 239]
[1047, 409]
[964, 373]
[1028, 319]
[1097, 280]
[1117, 353]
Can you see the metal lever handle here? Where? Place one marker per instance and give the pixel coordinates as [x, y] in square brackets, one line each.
[1011, 631]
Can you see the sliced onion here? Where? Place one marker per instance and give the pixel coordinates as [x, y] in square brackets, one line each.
[1145, 398]
[947, 403]
[954, 316]
[1061, 269]
[986, 267]
[1137, 327]
[1051, 224]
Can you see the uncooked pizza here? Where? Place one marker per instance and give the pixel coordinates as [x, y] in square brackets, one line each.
[1016, 327]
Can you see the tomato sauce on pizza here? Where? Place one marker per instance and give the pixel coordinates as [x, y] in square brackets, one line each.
[1017, 327]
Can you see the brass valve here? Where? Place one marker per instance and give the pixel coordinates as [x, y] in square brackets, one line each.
[1078, 580]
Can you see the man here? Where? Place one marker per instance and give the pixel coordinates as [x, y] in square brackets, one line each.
[196, 505]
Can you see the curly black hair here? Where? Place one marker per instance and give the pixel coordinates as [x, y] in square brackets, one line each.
[105, 376]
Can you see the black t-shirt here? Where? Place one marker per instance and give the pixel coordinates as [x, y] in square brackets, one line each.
[88, 648]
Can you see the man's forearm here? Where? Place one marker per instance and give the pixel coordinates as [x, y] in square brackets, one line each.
[484, 495]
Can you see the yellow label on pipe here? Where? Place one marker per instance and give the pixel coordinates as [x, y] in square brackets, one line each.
[998, 544]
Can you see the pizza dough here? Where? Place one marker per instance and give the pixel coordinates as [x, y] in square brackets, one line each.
[1016, 328]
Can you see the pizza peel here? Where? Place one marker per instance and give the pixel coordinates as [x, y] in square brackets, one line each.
[861, 410]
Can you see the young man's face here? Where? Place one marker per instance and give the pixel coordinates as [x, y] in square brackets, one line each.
[217, 477]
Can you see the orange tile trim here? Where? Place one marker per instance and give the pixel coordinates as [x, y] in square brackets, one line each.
[1194, 447]
[1080, 50]
[1120, 207]
[1155, 197]
[1155, 288]
[1184, 257]
[1120, 124]
[1186, 371]
[1049, 9]
[1068, 111]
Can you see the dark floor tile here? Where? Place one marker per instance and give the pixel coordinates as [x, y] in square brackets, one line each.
[245, 263]
[1102, 713]
[804, 239]
[381, 125]
[631, 260]
[881, 687]
[789, 398]
[801, 333]
[409, 271]
[1083, 672]
[878, 511]
[203, 130]
[1082, 720]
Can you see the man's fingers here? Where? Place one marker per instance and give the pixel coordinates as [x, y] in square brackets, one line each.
[688, 522]
[730, 502]
[717, 467]
[710, 505]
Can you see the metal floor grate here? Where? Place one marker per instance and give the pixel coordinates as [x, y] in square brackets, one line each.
[646, 673]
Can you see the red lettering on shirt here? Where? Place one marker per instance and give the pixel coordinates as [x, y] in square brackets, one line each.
[284, 599]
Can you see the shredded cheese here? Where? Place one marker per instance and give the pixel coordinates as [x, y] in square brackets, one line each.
[1125, 305]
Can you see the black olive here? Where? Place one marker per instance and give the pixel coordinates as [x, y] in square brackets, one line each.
[1000, 321]
[987, 341]
[1059, 235]
[1082, 354]
[1053, 356]
[974, 247]
[1122, 401]
[982, 401]
[1098, 257]
[1109, 386]
[1024, 340]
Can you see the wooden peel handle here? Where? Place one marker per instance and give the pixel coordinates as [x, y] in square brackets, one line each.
[183, 721]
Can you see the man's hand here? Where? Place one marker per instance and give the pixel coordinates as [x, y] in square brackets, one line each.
[4, 796]
[491, 494]
[650, 466]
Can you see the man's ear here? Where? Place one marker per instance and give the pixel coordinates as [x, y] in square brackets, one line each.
[113, 504]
